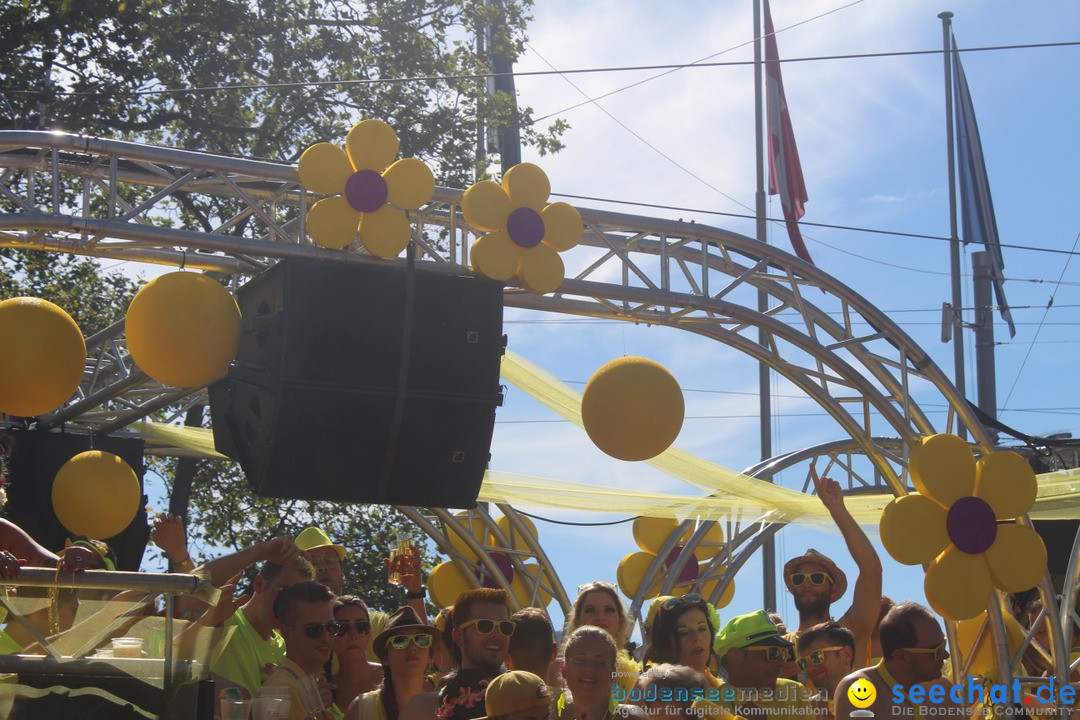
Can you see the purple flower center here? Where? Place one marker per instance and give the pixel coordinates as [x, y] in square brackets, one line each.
[526, 227]
[505, 567]
[690, 569]
[366, 190]
[971, 525]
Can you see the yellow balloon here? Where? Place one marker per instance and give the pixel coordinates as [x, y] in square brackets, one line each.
[650, 533]
[913, 529]
[333, 223]
[385, 232]
[324, 168]
[486, 206]
[527, 185]
[631, 572]
[475, 527]
[523, 592]
[42, 356]
[541, 269]
[445, 583]
[183, 329]
[943, 468]
[957, 585]
[410, 183]
[96, 494]
[632, 408]
[517, 540]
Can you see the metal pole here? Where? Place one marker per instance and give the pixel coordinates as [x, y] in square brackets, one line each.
[985, 378]
[954, 238]
[768, 550]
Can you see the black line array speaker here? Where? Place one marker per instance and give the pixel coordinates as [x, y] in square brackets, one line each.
[363, 382]
[37, 456]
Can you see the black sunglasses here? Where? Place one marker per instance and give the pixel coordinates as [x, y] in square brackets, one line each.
[363, 627]
[316, 630]
[486, 627]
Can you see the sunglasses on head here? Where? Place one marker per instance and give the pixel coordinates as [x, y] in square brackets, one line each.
[817, 656]
[486, 627]
[688, 599]
[815, 578]
[363, 627]
[772, 652]
[400, 642]
[938, 652]
[316, 630]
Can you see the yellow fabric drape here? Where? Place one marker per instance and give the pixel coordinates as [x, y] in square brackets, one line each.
[729, 493]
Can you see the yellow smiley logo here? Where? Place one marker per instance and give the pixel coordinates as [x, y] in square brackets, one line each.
[862, 693]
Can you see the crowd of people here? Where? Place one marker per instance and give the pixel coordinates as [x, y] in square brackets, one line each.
[299, 635]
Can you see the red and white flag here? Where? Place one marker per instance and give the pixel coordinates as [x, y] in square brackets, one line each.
[785, 172]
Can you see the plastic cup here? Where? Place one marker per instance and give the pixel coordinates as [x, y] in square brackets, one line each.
[127, 647]
[270, 707]
[235, 709]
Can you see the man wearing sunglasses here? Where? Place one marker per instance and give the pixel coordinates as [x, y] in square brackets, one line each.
[253, 646]
[824, 653]
[816, 582]
[305, 617]
[753, 653]
[914, 652]
[482, 630]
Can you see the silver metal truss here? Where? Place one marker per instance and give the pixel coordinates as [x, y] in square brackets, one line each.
[112, 199]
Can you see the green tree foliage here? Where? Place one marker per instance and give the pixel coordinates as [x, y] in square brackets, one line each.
[265, 78]
[226, 513]
[93, 298]
[257, 79]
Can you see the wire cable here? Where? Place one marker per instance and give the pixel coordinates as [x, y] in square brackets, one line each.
[1049, 304]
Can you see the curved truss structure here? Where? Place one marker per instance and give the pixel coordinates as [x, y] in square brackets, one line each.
[82, 195]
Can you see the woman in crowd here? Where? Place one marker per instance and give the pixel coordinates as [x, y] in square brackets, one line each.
[598, 604]
[355, 674]
[683, 635]
[587, 667]
[405, 649]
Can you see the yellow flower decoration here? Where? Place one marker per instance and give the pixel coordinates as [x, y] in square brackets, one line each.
[954, 523]
[366, 192]
[650, 534]
[524, 235]
[446, 581]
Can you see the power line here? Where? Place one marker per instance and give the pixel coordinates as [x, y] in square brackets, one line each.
[519, 74]
[829, 226]
[1049, 305]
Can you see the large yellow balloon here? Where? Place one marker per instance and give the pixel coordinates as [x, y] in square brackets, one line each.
[183, 329]
[96, 494]
[42, 356]
[632, 408]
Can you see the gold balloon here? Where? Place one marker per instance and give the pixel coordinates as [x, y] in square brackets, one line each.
[96, 494]
[632, 408]
[42, 356]
[183, 329]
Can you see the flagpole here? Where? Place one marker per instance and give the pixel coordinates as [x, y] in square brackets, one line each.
[954, 239]
[768, 550]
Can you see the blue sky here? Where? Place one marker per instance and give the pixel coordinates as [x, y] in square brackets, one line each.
[872, 139]
[872, 142]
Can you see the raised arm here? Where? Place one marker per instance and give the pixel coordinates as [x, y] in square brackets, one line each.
[866, 602]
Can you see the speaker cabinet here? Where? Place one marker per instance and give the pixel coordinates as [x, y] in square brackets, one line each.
[36, 457]
[363, 383]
